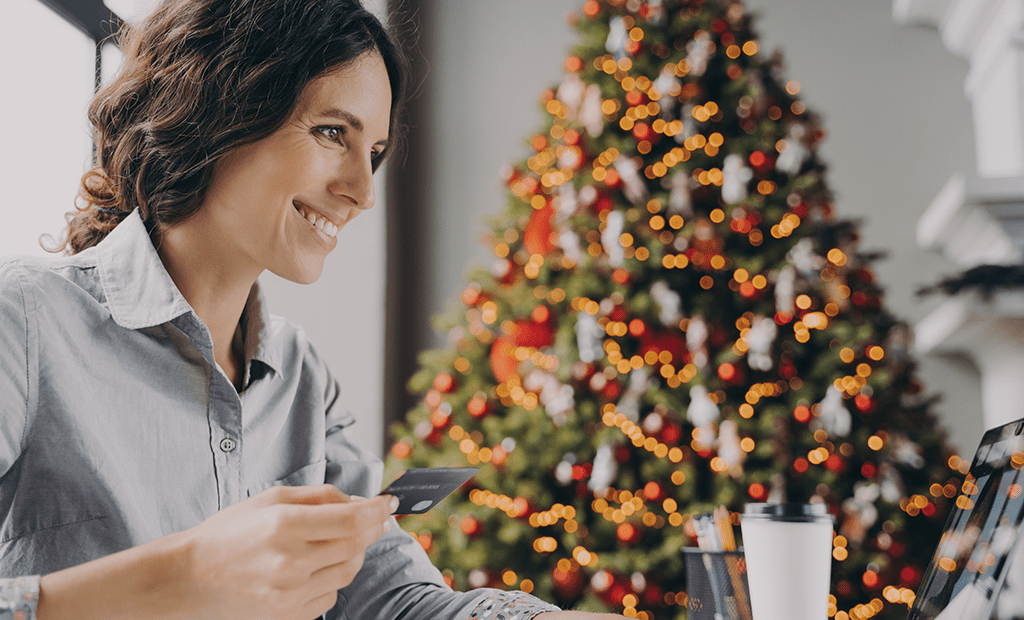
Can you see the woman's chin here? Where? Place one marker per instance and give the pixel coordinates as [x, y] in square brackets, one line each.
[301, 274]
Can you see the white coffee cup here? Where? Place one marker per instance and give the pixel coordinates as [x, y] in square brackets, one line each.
[788, 551]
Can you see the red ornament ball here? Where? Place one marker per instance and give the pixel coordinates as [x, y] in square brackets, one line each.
[537, 238]
[471, 527]
[445, 382]
[628, 533]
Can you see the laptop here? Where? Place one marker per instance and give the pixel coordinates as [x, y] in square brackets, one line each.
[982, 534]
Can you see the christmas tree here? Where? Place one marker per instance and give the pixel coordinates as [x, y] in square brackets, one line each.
[676, 319]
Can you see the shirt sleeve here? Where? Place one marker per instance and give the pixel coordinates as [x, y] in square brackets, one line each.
[18, 595]
[397, 579]
[16, 364]
[18, 598]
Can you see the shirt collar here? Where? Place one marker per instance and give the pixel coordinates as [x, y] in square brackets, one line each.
[257, 332]
[140, 293]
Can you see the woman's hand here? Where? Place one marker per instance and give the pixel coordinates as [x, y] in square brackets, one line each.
[282, 554]
[279, 555]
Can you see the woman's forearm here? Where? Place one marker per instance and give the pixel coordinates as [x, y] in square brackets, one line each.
[141, 583]
[281, 554]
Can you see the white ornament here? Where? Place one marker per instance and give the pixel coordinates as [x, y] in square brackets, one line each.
[702, 412]
[587, 195]
[563, 472]
[477, 578]
[905, 451]
[669, 302]
[629, 404]
[590, 114]
[689, 124]
[696, 341]
[656, 16]
[785, 291]
[890, 482]
[610, 238]
[729, 446]
[792, 158]
[618, 36]
[588, 337]
[832, 413]
[860, 512]
[570, 93]
[698, 52]
[566, 202]
[679, 200]
[759, 341]
[802, 257]
[634, 186]
[653, 423]
[734, 178]
[556, 397]
[558, 401]
[569, 241]
[605, 470]
[666, 83]
[570, 159]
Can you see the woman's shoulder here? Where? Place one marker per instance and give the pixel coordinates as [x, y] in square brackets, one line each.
[34, 267]
[21, 275]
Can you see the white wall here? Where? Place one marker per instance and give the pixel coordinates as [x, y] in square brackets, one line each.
[891, 97]
[46, 68]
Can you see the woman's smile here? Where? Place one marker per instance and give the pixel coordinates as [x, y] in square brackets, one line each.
[317, 220]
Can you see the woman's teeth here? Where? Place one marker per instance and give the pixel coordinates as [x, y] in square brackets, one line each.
[322, 224]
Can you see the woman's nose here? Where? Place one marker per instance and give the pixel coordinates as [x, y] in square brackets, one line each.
[355, 183]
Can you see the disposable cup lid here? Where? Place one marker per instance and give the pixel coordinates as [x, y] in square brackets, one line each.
[787, 512]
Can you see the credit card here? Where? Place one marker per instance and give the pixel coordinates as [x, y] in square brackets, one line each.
[420, 489]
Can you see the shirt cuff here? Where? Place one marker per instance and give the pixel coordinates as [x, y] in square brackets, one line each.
[510, 606]
[18, 598]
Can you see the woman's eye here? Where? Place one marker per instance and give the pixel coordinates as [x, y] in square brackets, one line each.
[334, 134]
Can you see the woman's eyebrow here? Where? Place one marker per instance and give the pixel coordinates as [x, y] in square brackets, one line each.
[344, 115]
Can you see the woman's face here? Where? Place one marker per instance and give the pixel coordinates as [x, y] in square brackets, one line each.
[279, 203]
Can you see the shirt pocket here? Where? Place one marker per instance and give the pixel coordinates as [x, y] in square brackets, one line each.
[308, 475]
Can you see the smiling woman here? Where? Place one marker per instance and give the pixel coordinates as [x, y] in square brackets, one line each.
[278, 204]
[168, 448]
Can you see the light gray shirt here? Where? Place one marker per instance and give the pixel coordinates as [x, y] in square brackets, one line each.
[117, 426]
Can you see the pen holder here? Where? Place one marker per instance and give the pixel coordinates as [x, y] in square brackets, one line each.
[716, 585]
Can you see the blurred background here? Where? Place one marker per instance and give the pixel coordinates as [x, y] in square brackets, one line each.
[891, 95]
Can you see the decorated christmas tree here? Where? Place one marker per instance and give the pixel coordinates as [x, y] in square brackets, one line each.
[676, 319]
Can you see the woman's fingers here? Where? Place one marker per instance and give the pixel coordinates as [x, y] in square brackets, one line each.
[336, 576]
[320, 605]
[327, 552]
[345, 519]
[300, 543]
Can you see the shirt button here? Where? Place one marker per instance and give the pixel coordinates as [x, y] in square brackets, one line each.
[227, 444]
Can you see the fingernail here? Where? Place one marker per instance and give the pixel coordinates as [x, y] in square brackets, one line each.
[394, 504]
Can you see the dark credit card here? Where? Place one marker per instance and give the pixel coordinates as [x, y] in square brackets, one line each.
[420, 489]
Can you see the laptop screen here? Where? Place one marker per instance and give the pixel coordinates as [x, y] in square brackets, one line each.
[971, 561]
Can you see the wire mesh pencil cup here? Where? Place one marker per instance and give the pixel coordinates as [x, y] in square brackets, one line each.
[716, 585]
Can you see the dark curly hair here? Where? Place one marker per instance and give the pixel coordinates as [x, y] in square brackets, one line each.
[203, 77]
